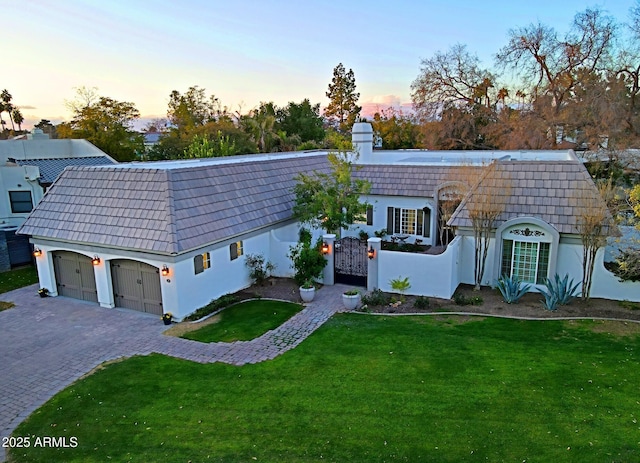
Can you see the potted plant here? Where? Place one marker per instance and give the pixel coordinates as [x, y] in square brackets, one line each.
[350, 299]
[363, 236]
[167, 317]
[307, 291]
[43, 292]
[308, 260]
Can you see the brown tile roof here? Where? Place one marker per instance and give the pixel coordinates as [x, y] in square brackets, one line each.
[177, 209]
[557, 192]
[167, 210]
[405, 180]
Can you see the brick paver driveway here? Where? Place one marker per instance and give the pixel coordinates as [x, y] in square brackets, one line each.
[48, 343]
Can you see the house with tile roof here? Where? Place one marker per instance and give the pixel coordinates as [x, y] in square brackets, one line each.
[27, 168]
[170, 236]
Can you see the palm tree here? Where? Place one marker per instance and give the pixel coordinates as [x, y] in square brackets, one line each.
[17, 118]
[2, 122]
[521, 94]
[6, 98]
[503, 93]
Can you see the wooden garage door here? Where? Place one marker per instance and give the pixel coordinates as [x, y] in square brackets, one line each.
[136, 286]
[75, 276]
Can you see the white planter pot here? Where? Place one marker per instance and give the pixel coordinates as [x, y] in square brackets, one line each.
[307, 295]
[350, 302]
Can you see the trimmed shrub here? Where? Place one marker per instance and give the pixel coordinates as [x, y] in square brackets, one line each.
[213, 306]
[461, 299]
[375, 298]
[421, 302]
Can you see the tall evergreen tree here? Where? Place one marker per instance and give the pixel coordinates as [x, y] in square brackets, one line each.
[343, 108]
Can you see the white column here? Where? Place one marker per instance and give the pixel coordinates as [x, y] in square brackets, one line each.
[104, 285]
[372, 269]
[328, 275]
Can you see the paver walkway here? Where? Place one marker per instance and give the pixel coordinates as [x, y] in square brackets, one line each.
[48, 343]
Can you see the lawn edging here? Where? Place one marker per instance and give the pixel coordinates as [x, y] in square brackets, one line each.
[508, 317]
[200, 320]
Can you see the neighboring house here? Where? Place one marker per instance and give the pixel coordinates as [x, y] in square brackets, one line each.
[170, 236]
[27, 168]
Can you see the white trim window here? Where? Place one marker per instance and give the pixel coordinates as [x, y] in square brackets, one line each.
[527, 260]
[409, 221]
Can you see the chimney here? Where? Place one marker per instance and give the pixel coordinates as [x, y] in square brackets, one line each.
[362, 139]
[37, 134]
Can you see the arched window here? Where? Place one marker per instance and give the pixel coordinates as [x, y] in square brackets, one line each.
[526, 248]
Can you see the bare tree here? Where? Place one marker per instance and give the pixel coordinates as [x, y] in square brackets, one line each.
[550, 64]
[453, 78]
[486, 201]
[593, 225]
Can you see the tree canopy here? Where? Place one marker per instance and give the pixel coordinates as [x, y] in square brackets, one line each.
[330, 200]
[105, 122]
[343, 98]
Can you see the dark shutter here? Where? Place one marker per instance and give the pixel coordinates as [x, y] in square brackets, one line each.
[426, 222]
[369, 215]
[233, 248]
[389, 220]
[198, 264]
[396, 217]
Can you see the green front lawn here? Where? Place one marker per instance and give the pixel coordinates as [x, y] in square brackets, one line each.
[245, 321]
[367, 389]
[14, 279]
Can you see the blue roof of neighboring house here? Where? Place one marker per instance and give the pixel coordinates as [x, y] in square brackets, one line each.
[50, 169]
[151, 138]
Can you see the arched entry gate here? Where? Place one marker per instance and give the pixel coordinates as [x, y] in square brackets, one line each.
[350, 261]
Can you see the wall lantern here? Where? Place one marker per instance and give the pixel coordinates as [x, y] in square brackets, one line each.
[95, 260]
[164, 271]
[371, 253]
[37, 252]
[325, 248]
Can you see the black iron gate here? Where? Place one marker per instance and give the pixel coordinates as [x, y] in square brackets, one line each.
[350, 261]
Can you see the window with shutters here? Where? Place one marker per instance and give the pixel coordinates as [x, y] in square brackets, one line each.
[367, 219]
[201, 262]
[409, 221]
[235, 250]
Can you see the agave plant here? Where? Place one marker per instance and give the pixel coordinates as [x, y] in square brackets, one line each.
[512, 288]
[559, 291]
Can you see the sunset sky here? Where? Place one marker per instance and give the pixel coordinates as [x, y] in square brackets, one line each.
[246, 52]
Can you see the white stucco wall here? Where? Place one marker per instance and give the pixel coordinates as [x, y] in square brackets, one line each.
[467, 262]
[429, 275]
[183, 291]
[604, 284]
[104, 287]
[380, 205]
[280, 240]
[17, 178]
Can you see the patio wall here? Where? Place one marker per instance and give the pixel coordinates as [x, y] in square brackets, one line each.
[429, 274]
[604, 283]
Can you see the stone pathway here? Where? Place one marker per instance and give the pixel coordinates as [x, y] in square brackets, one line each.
[48, 343]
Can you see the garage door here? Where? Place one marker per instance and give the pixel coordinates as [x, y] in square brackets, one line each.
[136, 286]
[75, 276]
